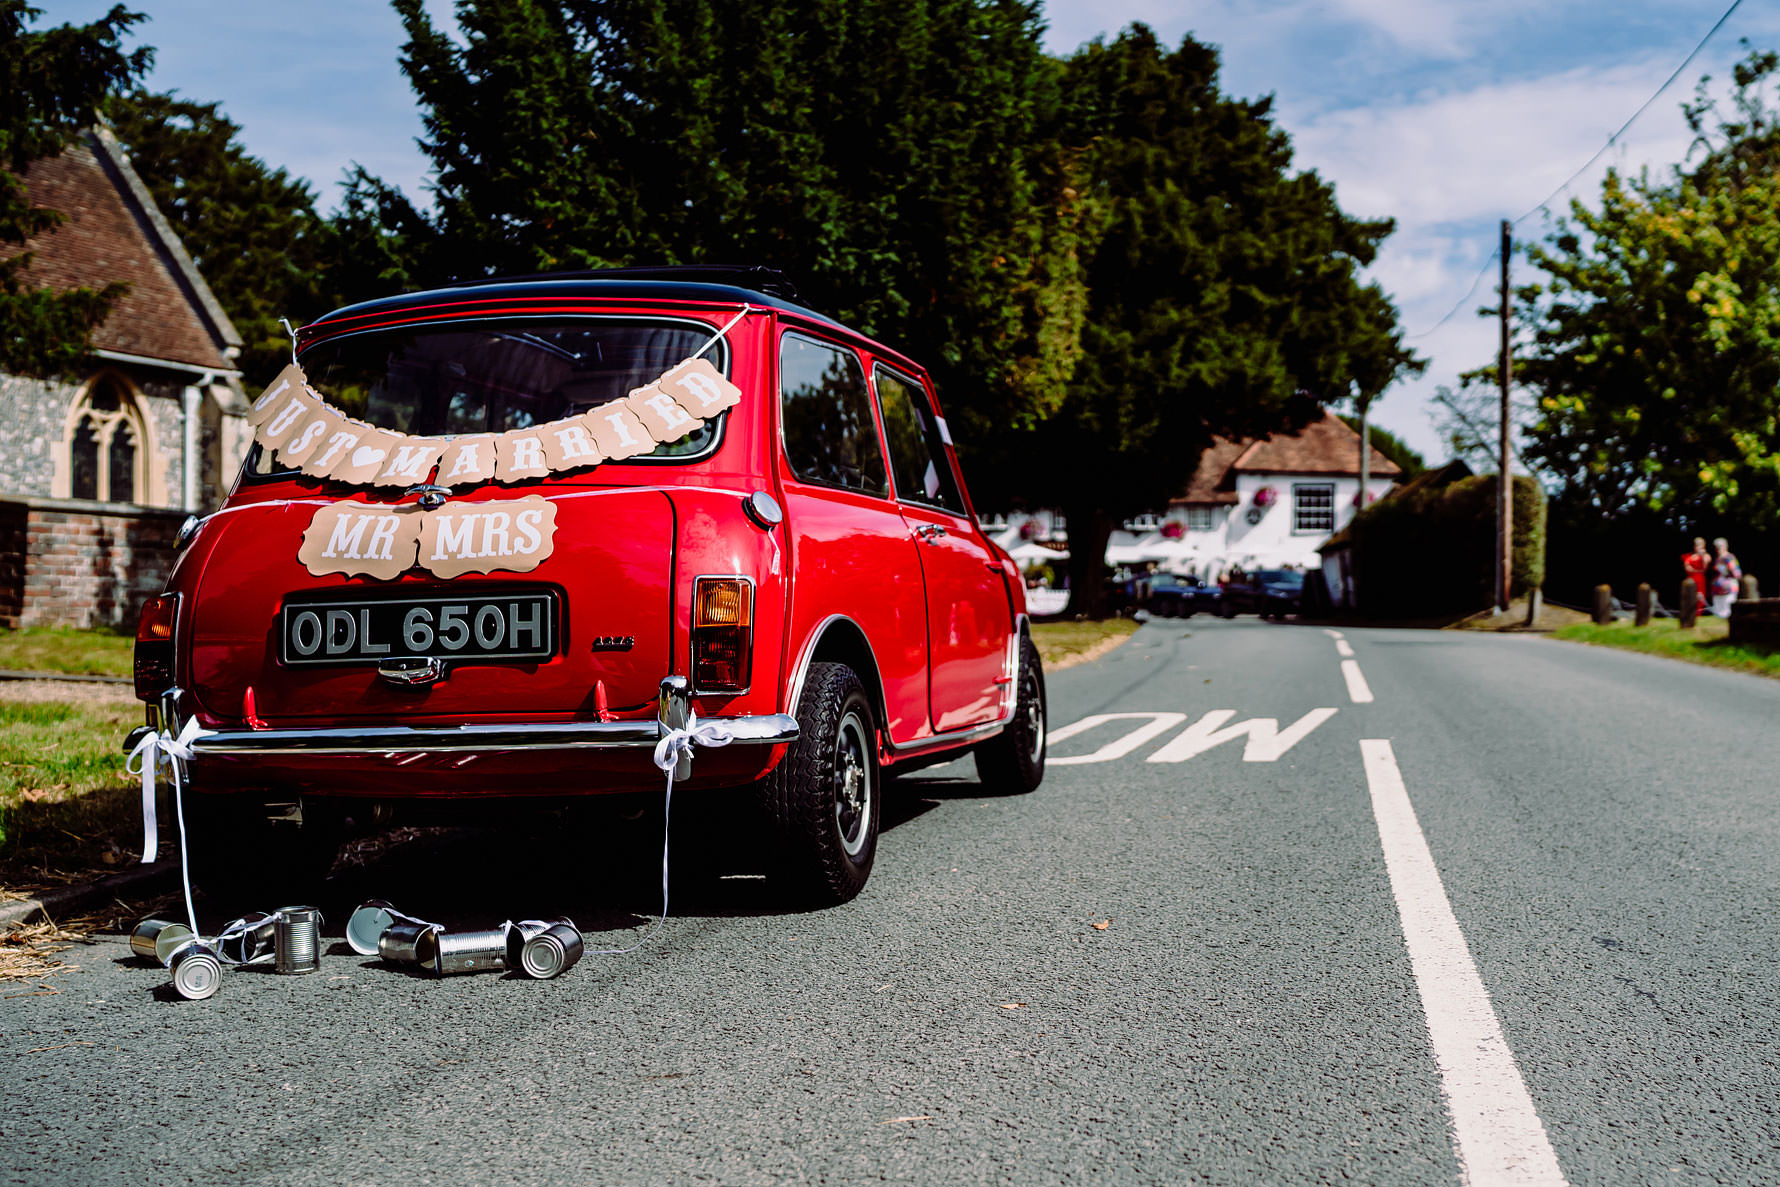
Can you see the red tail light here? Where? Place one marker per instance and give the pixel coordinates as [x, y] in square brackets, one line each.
[722, 634]
[154, 646]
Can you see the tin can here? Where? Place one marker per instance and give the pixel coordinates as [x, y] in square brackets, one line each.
[518, 933]
[296, 939]
[551, 952]
[249, 939]
[369, 922]
[471, 952]
[197, 973]
[156, 939]
[409, 943]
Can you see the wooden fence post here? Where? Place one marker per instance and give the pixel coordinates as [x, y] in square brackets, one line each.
[1751, 590]
[1689, 612]
[1603, 605]
[1646, 603]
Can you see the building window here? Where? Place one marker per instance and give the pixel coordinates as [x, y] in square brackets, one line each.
[1313, 507]
[107, 445]
[1199, 519]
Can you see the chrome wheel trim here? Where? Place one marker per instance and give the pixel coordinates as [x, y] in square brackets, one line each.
[853, 790]
[1033, 717]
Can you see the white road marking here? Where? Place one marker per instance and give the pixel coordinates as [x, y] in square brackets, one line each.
[1266, 741]
[1343, 647]
[1358, 691]
[1332, 634]
[1497, 1133]
[1156, 723]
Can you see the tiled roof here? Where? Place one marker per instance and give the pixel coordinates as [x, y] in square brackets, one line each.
[1326, 446]
[112, 232]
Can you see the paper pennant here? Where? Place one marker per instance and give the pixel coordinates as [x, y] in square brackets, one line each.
[354, 538]
[513, 536]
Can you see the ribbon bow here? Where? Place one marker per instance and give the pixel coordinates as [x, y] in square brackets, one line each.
[146, 759]
[678, 743]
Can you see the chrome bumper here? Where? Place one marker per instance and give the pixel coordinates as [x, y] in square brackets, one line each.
[673, 709]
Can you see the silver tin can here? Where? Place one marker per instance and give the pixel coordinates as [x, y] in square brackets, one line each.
[251, 938]
[409, 943]
[156, 939]
[518, 933]
[296, 940]
[551, 953]
[471, 952]
[369, 922]
[197, 973]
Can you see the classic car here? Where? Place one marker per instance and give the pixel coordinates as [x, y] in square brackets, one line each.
[803, 568]
[1271, 593]
[1181, 595]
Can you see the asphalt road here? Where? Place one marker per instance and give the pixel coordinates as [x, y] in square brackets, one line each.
[1509, 919]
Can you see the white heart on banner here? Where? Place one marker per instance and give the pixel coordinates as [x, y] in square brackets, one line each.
[365, 455]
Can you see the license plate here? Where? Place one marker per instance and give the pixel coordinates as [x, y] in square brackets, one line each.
[481, 626]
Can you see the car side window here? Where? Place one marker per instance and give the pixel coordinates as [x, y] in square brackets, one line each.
[917, 457]
[829, 434]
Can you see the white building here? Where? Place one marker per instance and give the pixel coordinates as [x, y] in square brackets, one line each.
[1270, 502]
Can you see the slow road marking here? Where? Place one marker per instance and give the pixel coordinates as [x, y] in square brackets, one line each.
[1264, 741]
[1497, 1133]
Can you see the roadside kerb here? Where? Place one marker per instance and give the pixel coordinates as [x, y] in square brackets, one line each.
[61, 902]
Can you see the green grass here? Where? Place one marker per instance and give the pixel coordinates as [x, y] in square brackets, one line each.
[1061, 642]
[65, 649]
[1705, 644]
[65, 799]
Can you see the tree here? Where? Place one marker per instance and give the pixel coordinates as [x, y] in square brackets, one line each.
[1654, 348]
[54, 80]
[253, 231]
[1224, 297]
[895, 159]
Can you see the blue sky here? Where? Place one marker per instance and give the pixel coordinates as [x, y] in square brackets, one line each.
[1447, 115]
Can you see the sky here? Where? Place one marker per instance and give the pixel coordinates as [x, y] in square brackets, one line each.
[1444, 115]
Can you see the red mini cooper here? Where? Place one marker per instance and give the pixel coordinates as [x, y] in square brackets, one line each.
[804, 566]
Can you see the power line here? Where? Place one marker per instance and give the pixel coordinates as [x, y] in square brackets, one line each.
[1586, 165]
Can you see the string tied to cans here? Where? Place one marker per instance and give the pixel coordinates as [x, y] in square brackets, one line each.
[154, 751]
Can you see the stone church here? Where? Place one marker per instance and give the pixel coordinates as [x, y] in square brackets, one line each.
[98, 470]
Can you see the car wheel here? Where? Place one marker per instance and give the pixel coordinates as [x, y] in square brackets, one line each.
[1228, 612]
[823, 798]
[1013, 762]
[241, 859]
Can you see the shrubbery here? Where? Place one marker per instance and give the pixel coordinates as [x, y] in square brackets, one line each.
[1430, 551]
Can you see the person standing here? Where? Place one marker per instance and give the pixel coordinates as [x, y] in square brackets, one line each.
[1727, 575]
[1696, 565]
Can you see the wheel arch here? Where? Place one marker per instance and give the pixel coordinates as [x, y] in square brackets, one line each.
[838, 639]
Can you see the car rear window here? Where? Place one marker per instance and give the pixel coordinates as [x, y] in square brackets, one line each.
[489, 377]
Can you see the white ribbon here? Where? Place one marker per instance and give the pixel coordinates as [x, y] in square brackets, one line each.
[677, 743]
[146, 759]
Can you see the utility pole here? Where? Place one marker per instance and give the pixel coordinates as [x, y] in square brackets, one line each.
[1505, 481]
[1365, 454]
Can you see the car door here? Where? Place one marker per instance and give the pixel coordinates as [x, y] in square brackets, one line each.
[968, 616]
[852, 554]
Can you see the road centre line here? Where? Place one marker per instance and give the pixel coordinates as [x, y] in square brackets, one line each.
[1343, 647]
[1497, 1134]
[1333, 634]
[1358, 691]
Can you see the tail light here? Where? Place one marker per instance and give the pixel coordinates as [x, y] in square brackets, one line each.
[154, 646]
[722, 634]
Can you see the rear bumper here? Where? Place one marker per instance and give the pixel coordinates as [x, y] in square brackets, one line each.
[542, 738]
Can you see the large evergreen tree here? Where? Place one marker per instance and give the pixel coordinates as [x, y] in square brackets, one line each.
[53, 81]
[1225, 296]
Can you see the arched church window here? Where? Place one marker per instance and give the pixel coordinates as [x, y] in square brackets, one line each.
[107, 444]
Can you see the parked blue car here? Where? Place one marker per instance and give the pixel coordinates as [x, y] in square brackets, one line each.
[1271, 593]
[1177, 595]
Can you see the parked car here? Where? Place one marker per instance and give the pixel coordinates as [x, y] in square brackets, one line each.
[1271, 593]
[1181, 595]
[805, 567]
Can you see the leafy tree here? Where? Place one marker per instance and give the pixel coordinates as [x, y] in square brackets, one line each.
[1391, 445]
[53, 80]
[1224, 297]
[253, 231]
[894, 159]
[1654, 348]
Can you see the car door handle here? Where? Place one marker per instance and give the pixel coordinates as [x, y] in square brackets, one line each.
[929, 532]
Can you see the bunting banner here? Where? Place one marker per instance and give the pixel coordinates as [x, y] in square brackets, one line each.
[295, 424]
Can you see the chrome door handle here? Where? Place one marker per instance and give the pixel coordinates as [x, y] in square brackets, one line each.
[929, 532]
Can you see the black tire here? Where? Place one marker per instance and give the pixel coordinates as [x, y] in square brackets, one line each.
[1013, 762]
[822, 801]
[242, 860]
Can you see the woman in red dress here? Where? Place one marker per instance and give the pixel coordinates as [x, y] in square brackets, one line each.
[1696, 564]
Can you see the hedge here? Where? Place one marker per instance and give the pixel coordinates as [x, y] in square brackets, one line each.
[1431, 551]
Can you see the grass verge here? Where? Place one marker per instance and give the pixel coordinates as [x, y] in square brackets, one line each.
[1705, 644]
[67, 807]
[1063, 644]
[64, 649]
